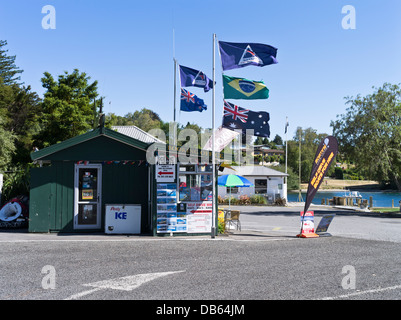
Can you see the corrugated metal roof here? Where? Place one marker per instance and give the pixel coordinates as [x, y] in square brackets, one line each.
[136, 133]
[92, 134]
[253, 171]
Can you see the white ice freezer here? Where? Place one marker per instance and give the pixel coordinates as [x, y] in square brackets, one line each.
[123, 219]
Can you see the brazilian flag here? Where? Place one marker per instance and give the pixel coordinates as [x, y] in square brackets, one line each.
[240, 88]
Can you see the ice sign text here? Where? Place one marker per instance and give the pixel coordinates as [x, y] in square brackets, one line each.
[121, 215]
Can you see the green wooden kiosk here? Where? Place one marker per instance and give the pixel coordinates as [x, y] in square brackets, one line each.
[78, 179]
[79, 176]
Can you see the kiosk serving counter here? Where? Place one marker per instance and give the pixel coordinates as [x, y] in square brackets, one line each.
[184, 203]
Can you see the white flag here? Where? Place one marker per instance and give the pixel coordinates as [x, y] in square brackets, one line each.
[223, 137]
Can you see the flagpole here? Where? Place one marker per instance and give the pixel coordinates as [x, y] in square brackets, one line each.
[173, 140]
[286, 147]
[213, 231]
[175, 86]
[175, 74]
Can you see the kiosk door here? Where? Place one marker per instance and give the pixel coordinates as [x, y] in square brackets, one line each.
[87, 204]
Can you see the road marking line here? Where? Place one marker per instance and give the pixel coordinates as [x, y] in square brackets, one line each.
[82, 294]
[128, 283]
[361, 293]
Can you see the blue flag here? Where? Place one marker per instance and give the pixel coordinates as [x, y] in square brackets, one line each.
[190, 102]
[239, 55]
[194, 78]
[237, 118]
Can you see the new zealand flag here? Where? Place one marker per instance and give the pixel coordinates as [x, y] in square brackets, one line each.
[190, 102]
[237, 118]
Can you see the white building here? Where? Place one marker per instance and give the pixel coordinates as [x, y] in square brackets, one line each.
[267, 181]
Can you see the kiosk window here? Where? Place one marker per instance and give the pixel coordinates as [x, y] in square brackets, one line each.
[187, 168]
[206, 187]
[189, 187]
[233, 190]
[195, 182]
[205, 168]
[260, 186]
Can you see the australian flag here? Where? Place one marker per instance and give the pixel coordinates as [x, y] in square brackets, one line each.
[237, 118]
[240, 55]
[194, 78]
[190, 102]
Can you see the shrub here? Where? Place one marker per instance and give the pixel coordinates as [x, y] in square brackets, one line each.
[258, 199]
[16, 183]
[233, 201]
[244, 199]
[280, 202]
[221, 227]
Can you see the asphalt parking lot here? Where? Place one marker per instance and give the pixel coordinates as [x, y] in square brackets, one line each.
[265, 261]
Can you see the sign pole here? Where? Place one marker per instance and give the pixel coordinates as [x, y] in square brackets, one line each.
[213, 231]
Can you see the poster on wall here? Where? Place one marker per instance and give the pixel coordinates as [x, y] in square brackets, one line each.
[199, 217]
[168, 218]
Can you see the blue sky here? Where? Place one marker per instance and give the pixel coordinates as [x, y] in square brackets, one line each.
[128, 47]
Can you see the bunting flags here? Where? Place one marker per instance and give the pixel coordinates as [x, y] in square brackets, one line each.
[137, 163]
[239, 55]
[241, 88]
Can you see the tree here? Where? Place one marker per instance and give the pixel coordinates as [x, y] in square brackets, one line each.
[258, 141]
[310, 141]
[68, 108]
[292, 179]
[278, 140]
[115, 120]
[19, 111]
[7, 147]
[144, 119]
[8, 70]
[369, 133]
[7, 138]
[23, 113]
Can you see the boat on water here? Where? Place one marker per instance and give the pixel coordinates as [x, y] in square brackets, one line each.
[353, 194]
[355, 198]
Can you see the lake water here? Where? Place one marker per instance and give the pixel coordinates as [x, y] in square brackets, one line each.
[380, 199]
